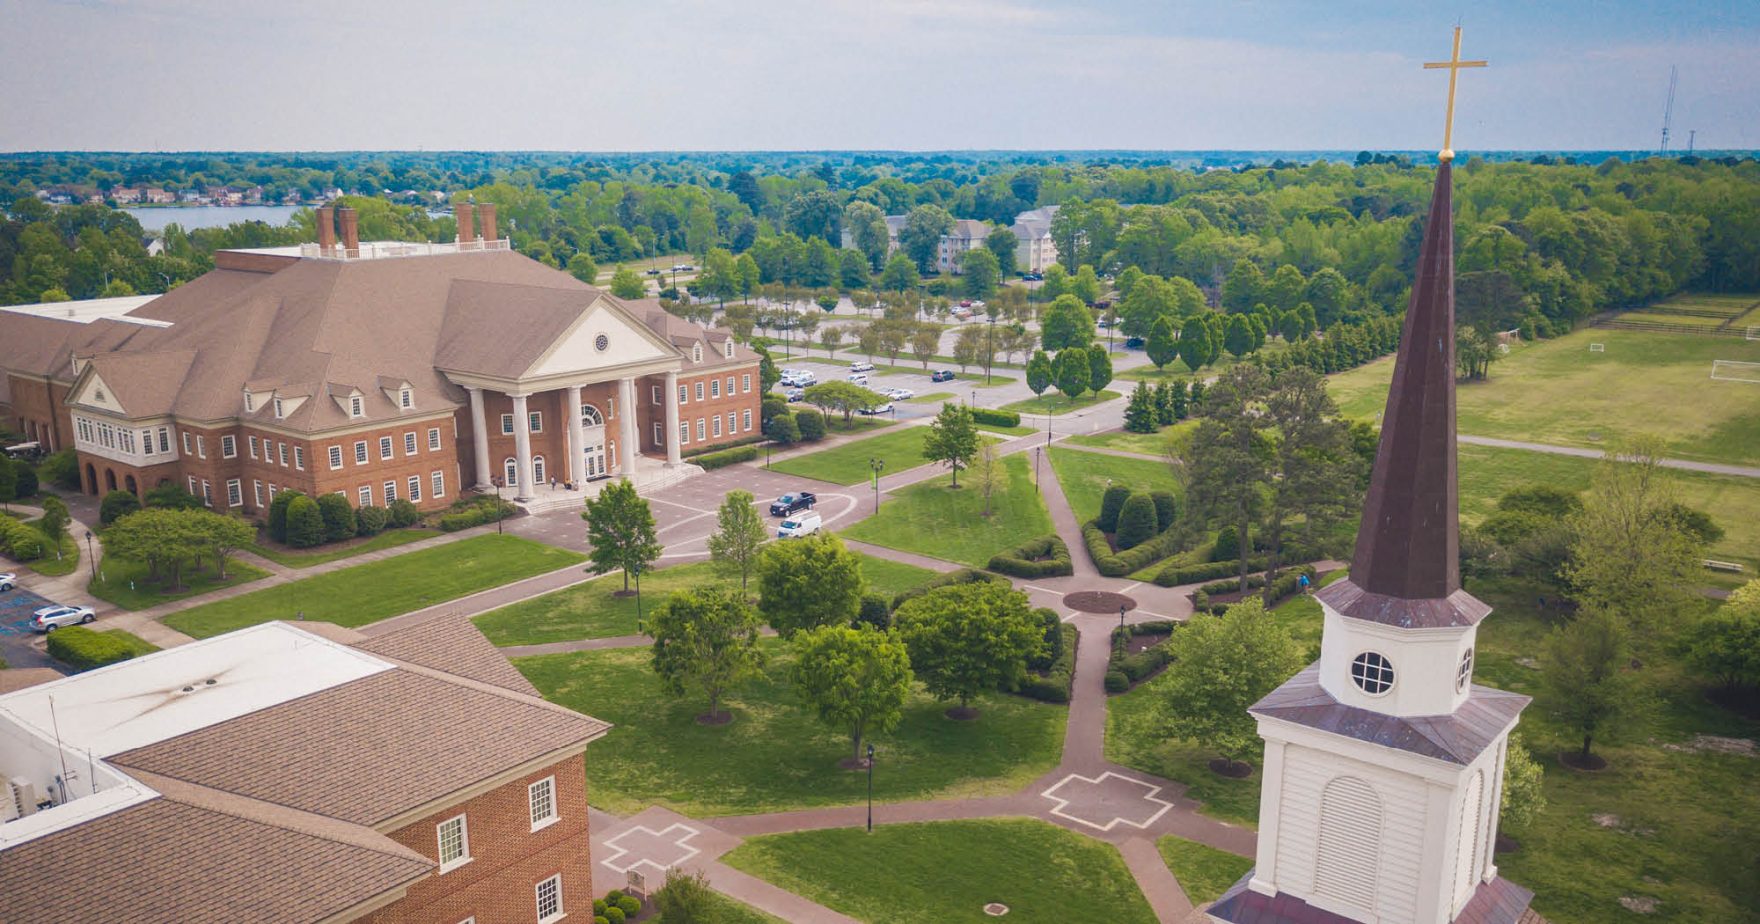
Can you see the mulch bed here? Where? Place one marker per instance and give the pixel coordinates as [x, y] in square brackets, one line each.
[1098, 601]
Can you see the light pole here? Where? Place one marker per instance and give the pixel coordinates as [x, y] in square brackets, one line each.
[877, 465]
[499, 513]
[990, 356]
[870, 787]
[91, 557]
[1038, 459]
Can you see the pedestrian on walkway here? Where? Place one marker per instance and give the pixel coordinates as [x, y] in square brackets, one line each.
[1303, 583]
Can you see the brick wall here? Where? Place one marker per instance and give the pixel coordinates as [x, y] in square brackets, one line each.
[508, 859]
[35, 410]
[707, 410]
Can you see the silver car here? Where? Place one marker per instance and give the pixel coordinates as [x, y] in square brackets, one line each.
[50, 618]
[8, 581]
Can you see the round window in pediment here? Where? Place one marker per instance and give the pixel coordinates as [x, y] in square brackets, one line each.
[1372, 673]
[1463, 675]
[601, 343]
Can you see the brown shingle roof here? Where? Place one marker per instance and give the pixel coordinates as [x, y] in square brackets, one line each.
[1456, 610]
[505, 341]
[452, 644]
[145, 383]
[1496, 902]
[1457, 737]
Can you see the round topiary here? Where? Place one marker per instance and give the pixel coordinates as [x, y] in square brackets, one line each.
[338, 514]
[630, 905]
[811, 424]
[1228, 545]
[614, 914]
[278, 513]
[1111, 503]
[305, 523]
[370, 520]
[403, 513]
[1166, 508]
[1136, 522]
[1117, 682]
[116, 505]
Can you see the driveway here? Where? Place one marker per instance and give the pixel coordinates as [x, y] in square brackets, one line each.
[19, 644]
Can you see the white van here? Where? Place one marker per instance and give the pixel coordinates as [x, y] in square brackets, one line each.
[805, 523]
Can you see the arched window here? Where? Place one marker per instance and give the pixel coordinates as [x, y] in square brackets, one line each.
[538, 470]
[1349, 857]
[1466, 860]
[511, 468]
[1463, 674]
[590, 416]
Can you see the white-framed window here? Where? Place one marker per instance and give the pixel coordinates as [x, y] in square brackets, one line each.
[228, 447]
[506, 424]
[185, 442]
[701, 429]
[406, 399]
[727, 349]
[438, 480]
[549, 897]
[385, 447]
[390, 492]
[356, 407]
[415, 487]
[250, 401]
[714, 388]
[164, 439]
[1372, 673]
[657, 433]
[201, 446]
[717, 429]
[253, 447]
[542, 797]
[510, 470]
[611, 407]
[684, 434]
[696, 352]
[281, 450]
[1463, 674]
[147, 441]
[654, 394]
[454, 840]
[745, 383]
[192, 485]
[684, 394]
[280, 411]
[730, 386]
[207, 493]
[299, 458]
[409, 443]
[272, 491]
[335, 453]
[360, 452]
[745, 420]
[699, 391]
[433, 439]
[364, 495]
[732, 421]
[535, 421]
[257, 492]
[234, 493]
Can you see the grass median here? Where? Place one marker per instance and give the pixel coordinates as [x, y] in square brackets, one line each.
[932, 518]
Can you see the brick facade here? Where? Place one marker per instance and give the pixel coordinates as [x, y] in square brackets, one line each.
[733, 398]
[34, 408]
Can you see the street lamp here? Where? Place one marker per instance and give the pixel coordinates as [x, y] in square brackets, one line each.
[90, 557]
[870, 787]
[990, 357]
[1038, 458]
[499, 513]
[877, 465]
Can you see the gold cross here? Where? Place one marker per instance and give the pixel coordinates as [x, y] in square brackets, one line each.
[1454, 65]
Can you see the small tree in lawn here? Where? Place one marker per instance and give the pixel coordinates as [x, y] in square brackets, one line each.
[810, 582]
[1221, 665]
[167, 540]
[706, 639]
[968, 638]
[1162, 347]
[1040, 372]
[952, 439]
[1724, 646]
[988, 471]
[1585, 681]
[925, 338]
[856, 679]
[1099, 370]
[1196, 349]
[221, 535]
[739, 536]
[830, 337]
[1140, 414]
[1633, 556]
[1073, 372]
[620, 533]
[55, 520]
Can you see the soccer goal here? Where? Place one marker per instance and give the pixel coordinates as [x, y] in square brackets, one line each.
[1730, 370]
[1597, 347]
[1754, 331]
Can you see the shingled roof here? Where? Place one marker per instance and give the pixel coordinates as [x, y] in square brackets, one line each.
[1457, 737]
[1496, 902]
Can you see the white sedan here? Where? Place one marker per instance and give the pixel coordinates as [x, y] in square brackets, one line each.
[859, 378]
[50, 618]
[8, 580]
[882, 409]
[901, 394]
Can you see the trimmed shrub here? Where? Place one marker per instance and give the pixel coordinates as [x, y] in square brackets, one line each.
[874, 612]
[696, 450]
[61, 469]
[83, 649]
[1117, 682]
[1053, 685]
[714, 460]
[21, 542]
[173, 497]
[811, 424]
[463, 519]
[1173, 576]
[1111, 504]
[338, 517]
[771, 406]
[1228, 545]
[613, 914]
[995, 418]
[1288, 583]
[26, 476]
[1123, 563]
[962, 576]
[1166, 508]
[1045, 556]
[278, 513]
[629, 904]
[782, 430]
[1136, 522]
[403, 513]
[1139, 666]
[116, 505]
[305, 523]
[370, 520]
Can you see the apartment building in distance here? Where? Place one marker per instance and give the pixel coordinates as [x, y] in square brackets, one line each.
[383, 371]
[1034, 249]
[297, 773]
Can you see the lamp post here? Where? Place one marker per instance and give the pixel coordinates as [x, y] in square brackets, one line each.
[1038, 459]
[499, 514]
[90, 557]
[990, 356]
[870, 787]
[877, 465]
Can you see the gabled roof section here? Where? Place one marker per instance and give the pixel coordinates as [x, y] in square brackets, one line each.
[500, 330]
[450, 643]
[143, 384]
[1457, 738]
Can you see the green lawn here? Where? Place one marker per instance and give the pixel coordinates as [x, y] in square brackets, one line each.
[1149, 444]
[1056, 402]
[947, 871]
[51, 566]
[1086, 475]
[1204, 872]
[776, 754]
[1556, 391]
[933, 519]
[847, 463]
[834, 423]
[125, 582]
[1688, 819]
[591, 610]
[934, 397]
[389, 539]
[380, 589]
[725, 910]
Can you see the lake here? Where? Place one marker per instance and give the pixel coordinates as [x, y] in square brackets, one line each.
[210, 216]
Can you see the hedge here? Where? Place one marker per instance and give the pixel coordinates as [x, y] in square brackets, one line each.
[1122, 563]
[83, 649]
[1175, 575]
[474, 511]
[1284, 587]
[1140, 665]
[1046, 556]
[1053, 686]
[1137, 522]
[951, 578]
[21, 542]
[722, 447]
[1111, 503]
[995, 418]
[714, 460]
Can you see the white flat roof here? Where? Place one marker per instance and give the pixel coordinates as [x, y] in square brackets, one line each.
[85, 311]
[169, 693]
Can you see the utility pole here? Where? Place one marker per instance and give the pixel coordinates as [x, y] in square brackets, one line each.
[1668, 110]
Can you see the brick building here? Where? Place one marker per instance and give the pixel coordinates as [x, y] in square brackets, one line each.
[297, 773]
[379, 371]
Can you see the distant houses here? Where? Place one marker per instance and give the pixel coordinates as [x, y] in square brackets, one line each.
[1034, 250]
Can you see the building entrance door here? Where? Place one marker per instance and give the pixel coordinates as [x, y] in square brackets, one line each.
[593, 442]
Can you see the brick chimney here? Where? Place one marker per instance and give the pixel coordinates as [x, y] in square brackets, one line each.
[487, 211]
[467, 231]
[351, 232]
[326, 231]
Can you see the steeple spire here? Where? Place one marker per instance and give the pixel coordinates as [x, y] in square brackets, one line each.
[1408, 543]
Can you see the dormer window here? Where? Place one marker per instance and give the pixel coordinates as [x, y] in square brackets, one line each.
[696, 352]
[250, 401]
[280, 412]
[356, 407]
[727, 349]
[406, 399]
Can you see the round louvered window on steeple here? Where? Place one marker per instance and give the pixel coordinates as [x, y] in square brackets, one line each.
[1463, 674]
[1372, 673]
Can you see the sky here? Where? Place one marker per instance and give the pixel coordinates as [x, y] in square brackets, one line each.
[640, 75]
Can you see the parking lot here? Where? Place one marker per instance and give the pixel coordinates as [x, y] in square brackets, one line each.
[16, 636]
[880, 381]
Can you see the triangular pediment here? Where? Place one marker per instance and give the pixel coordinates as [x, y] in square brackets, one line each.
[95, 394]
[604, 336]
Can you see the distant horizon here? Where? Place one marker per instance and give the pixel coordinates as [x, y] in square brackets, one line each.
[1462, 153]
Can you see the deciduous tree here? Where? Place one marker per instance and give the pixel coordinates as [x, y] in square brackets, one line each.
[1099, 370]
[1633, 557]
[626, 284]
[1195, 347]
[1222, 665]
[952, 439]
[808, 582]
[1227, 461]
[1073, 372]
[856, 679]
[1585, 681]
[739, 534]
[620, 532]
[1067, 323]
[920, 238]
[1040, 372]
[707, 639]
[867, 229]
[982, 273]
[968, 638]
[1162, 347]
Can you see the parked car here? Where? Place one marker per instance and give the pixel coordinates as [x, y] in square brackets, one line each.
[8, 581]
[1134, 343]
[877, 409]
[50, 618]
[789, 503]
[794, 394]
[861, 367]
[653, 272]
[795, 527]
[1034, 277]
[860, 378]
[900, 394]
[941, 375]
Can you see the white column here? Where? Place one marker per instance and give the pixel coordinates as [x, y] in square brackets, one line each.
[1271, 769]
[577, 438]
[522, 447]
[479, 438]
[674, 454]
[626, 426]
